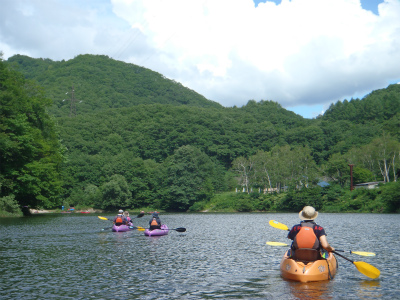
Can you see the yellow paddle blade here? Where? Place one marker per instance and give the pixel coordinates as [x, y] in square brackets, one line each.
[102, 218]
[278, 225]
[367, 269]
[362, 253]
[276, 244]
[140, 229]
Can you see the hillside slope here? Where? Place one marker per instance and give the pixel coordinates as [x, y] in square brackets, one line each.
[136, 132]
[100, 83]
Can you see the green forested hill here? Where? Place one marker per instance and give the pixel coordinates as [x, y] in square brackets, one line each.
[139, 139]
[155, 131]
[378, 106]
[101, 83]
[30, 153]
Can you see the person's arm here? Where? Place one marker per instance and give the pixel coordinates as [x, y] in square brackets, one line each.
[325, 244]
[292, 233]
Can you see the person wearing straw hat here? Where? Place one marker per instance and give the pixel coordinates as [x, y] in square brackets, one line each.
[308, 235]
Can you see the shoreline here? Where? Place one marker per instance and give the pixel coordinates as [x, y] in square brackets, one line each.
[47, 211]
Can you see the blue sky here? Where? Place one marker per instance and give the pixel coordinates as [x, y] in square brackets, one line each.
[371, 5]
[303, 54]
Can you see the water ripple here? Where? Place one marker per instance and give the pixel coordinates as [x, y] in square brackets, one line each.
[221, 256]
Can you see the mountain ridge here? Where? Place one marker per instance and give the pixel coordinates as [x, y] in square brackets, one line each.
[101, 82]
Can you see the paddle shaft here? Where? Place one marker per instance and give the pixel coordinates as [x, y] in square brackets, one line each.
[180, 229]
[348, 259]
[138, 216]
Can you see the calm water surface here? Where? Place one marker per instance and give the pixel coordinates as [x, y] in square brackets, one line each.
[221, 256]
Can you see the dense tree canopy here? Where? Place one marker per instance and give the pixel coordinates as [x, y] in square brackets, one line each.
[101, 83]
[189, 176]
[139, 139]
[379, 106]
[30, 153]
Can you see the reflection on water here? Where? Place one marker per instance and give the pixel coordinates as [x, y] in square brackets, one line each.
[224, 256]
[311, 290]
[369, 289]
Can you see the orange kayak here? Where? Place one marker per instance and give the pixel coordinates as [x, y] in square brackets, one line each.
[322, 269]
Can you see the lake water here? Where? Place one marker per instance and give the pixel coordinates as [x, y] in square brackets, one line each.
[221, 256]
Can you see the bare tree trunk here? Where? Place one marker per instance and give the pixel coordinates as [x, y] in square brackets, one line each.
[246, 167]
[382, 173]
[387, 169]
[384, 170]
[269, 179]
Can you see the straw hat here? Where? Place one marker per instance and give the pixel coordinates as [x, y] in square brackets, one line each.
[308, 213]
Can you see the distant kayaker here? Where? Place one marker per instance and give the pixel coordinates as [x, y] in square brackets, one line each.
[155, 222]
[120, 219]
[309, 235]
[128, 218]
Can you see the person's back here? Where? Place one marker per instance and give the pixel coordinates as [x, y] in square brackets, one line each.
[305, 235]
[120, 219]
[155, 222]
[308, 237]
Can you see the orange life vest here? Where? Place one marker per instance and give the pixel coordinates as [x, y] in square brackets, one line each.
[154, 222]
[306, 238]
[119, 221]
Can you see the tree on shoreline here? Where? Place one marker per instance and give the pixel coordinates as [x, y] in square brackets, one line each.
[30, 153]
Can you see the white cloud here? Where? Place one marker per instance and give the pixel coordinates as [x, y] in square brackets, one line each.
[301, 52]
[298, 52]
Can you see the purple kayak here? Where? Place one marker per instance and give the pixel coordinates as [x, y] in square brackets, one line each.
[120, 228]
[157, 232]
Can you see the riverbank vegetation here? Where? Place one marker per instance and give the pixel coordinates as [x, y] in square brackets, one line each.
[334, 199]
[95, 132]
[30, 152]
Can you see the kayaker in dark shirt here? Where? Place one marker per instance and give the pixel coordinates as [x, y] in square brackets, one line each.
[120, 219]
[309, 235]
[155, 222]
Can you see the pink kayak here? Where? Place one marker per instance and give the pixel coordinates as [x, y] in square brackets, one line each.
[120, 228]
[157, 232]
